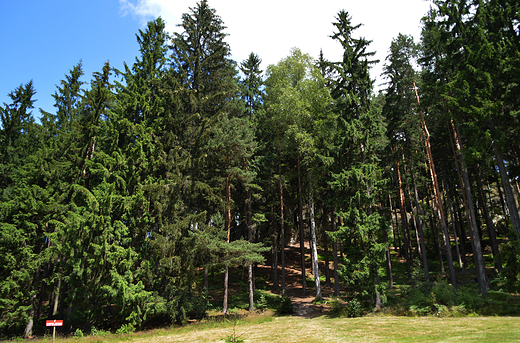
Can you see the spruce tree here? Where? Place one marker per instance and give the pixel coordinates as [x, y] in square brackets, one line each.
[356, 177]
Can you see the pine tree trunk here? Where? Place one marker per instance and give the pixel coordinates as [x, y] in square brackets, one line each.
[489, 221]
[226, 283]
[275, 259]
[388, 261]
[437, 195]
[454, 223]
[251, 288]
[475, 239]
[510, 199]
[205, 280]
[422, 243]
[404, 220]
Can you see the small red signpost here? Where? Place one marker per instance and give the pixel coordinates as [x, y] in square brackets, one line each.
[54, 323]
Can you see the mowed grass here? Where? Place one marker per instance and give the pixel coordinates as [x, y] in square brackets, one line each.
[269, 328]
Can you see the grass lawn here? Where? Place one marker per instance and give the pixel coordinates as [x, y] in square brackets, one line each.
[287, 329]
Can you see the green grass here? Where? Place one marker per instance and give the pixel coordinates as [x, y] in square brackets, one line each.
[268, 328]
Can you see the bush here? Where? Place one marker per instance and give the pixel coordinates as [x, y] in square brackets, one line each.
[354, 308]
[261, 303]
[336, 308]
[78, 333]
[286, 306]
[98, 332]
[470, 298]
[442, 299]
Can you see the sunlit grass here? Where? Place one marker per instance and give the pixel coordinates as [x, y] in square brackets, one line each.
[380, 328]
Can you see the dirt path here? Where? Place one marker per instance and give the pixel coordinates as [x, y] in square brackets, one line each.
[302, 303]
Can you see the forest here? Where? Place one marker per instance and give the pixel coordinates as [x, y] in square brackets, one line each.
[119, 206]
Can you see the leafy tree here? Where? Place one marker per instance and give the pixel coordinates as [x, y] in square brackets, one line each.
[297, 97]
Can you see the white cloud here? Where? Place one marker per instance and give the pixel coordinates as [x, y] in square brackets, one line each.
[271, 28]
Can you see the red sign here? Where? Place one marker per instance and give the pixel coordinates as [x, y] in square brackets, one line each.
[54, 322]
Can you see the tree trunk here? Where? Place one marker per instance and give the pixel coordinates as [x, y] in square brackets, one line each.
[437, 195]
[205, 280]
[489, 221]
[510, 199]
[226, 283]
[327, 269]
[282, 225]
[475, 239]
[404, 220]
[314, 248]
[57, 287]
[422, 243]
[335, 253]
[228, 228]
[30, 321]
[300, 223]
[454, 223]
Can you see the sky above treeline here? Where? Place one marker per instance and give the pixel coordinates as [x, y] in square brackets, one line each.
[43, 40]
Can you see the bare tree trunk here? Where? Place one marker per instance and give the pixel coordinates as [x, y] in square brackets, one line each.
[30, 321]
[300, 223]
[228, 228]
[275, 259]
[314, 247]
[475, 239]
[205, 281]
[335, 253]
[420, 229]
[282, 224]
[226, 284]
[510, 199]
[454, 223]
[437, 195]
[327, 269]
[404, 220]
[489, 221]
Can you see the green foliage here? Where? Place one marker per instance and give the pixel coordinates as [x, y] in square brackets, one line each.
[125, 329]
[354, 308]
[285, 306]
[261, 303]
[511, 271]
[441, 299]
[234, 337]
[337, 309]
[98, 332]
[78, 333]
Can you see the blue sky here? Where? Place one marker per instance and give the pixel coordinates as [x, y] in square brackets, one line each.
[43, 40]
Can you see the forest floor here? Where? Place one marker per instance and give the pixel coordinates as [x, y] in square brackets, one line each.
[303, 303]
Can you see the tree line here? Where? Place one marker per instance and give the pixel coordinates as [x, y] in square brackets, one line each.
[117, 206]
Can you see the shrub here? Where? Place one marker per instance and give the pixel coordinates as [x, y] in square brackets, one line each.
[286, 306]
[97, 332]
[354, 308]
[470, 298]
[336, 308]
[78, 333]
[261, 303]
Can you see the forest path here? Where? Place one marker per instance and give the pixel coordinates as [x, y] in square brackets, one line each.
[302, 303]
